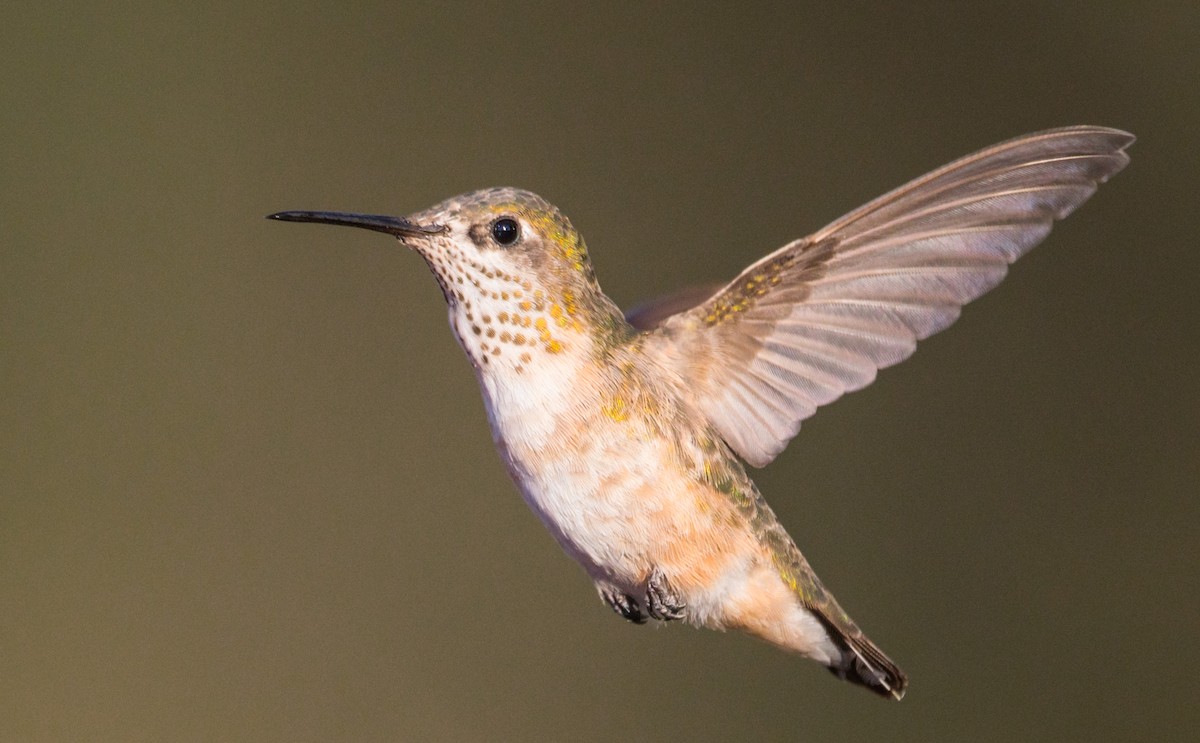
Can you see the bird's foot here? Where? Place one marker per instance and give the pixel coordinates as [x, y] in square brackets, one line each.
[662, 602]
[622, 603]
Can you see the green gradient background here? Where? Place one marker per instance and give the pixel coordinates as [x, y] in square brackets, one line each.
[247, 490]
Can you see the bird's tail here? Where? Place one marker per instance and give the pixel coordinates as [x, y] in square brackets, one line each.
[864, 663]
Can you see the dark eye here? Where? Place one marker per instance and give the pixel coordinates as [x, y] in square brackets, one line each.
[506, 230]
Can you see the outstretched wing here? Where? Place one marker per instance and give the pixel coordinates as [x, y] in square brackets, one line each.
[818, 317]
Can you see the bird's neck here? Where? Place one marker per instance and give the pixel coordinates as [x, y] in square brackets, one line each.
[521, 331]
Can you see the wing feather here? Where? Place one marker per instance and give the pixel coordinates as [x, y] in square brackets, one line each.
[818, 317]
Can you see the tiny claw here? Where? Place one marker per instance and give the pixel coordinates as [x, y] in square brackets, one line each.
[661, 602]
[623, 604]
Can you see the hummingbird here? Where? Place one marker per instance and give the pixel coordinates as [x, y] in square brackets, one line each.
[628, 434]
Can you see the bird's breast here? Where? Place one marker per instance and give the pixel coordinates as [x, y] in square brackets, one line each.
[586, 478]
[602, 466]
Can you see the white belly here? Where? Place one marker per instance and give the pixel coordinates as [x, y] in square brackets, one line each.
[598, 485]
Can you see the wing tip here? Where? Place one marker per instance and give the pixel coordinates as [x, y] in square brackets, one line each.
[1120, 138]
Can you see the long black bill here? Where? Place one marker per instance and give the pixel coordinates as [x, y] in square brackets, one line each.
[397, 226]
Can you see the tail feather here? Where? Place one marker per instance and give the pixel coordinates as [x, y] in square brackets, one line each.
[864, 663]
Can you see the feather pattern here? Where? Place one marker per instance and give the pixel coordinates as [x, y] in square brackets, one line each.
[818, 317]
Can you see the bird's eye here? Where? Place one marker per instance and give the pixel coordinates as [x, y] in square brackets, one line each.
[506, 231]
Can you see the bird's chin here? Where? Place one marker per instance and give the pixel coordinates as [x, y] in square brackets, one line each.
[420, 245]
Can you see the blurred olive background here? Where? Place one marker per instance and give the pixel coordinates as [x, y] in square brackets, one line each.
[247, 489]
